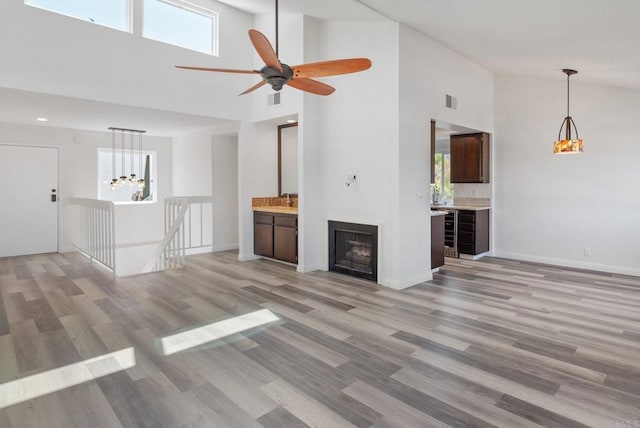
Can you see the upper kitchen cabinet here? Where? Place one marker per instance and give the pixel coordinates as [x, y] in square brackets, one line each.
[470, 158]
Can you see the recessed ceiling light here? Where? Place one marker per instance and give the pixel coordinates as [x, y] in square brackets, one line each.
[42, 119]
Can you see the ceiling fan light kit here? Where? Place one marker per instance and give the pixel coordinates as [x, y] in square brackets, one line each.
[277, 74]
[568, 145]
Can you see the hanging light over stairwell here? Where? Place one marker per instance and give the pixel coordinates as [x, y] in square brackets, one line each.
[114, 180]
[568, 145]
[131, 179]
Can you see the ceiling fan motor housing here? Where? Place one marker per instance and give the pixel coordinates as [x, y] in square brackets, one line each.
[276, 78]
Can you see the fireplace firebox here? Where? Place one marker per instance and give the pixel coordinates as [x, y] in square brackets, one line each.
[353, 249]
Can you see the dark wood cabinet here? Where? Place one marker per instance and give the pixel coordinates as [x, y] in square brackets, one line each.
[473, 232]
[437, 241]
[263, 235]
[470, 158]
[276, 236]
[285, 244]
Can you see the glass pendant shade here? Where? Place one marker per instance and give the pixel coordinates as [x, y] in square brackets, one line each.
[561, 147]
[568, 145]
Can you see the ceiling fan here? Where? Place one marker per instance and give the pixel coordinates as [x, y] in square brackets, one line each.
[278, 74]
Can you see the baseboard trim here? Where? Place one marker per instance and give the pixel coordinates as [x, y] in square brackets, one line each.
[311, 268]
[248, 257]
[224, 247]
[401, 285]
[472, 257]
[198, 250]
[622, 270]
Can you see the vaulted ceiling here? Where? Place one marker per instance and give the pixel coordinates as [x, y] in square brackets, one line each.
[600, 38]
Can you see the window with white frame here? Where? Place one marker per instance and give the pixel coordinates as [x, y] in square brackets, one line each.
[110, 13]
[181, 24]
[125, 165]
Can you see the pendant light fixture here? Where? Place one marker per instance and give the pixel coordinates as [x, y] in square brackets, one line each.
[568, 145]
[114, 180]
[123, 177]
[132, 176]
[140, 172]
[131, 179]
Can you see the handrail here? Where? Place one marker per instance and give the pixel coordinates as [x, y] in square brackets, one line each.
[95, 230]
[170, 252]
[194, 232]
[96, 236]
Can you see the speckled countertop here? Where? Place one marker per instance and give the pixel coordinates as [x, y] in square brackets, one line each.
[276, 209]
[460, 207]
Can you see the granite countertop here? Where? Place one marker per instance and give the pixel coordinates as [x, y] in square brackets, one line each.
[460, 207]
[437, 213]
[277, 209]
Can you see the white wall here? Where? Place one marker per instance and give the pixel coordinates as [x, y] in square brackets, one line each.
[353, 131]
[191, 156]
[55, 54]
[224, 159]
[549, 208]
[257, 176]
[376, 126]
[78, 174]
[428, 72]
[312, 221]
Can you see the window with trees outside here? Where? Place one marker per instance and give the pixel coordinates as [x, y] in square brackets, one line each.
[442, 189]
[110, 13]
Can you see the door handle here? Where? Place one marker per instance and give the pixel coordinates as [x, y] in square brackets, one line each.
[54, 197]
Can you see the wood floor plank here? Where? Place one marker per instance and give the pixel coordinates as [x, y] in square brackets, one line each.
[280, 418]
[536, 414]
[492, 342]
[28, 347]
[303, 407]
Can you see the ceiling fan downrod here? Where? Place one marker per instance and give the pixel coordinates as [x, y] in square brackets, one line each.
[277, 53]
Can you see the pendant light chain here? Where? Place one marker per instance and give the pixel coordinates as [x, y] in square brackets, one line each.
[141, 182]
[123, 153]
[568, 98]
[114, 180]
[132, 177]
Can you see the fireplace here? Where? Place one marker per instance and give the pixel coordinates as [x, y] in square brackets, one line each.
[353, 249]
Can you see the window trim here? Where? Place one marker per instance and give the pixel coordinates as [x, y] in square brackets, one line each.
[128, 21]
[194, 8]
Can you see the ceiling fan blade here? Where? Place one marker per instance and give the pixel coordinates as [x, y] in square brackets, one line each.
[254, 87]
[331, 68]
[265, 50]
[224, 70]
[310, 85]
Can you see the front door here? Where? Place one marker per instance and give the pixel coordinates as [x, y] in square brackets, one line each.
[28, 200]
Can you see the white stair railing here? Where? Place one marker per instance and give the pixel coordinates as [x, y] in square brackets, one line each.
[170, 253]
[95, 230]
[197, 223]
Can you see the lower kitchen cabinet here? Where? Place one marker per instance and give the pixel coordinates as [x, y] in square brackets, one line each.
[473, 232]
[437, 241]
[263, 235]
[276, 236]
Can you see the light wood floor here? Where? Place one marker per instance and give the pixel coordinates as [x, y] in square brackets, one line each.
[487, 343]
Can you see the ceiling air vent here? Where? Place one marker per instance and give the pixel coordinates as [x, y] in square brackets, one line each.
[273, 99]
[451, 102]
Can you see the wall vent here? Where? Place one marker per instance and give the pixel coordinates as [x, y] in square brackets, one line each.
[273, 99]
[451, 102]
